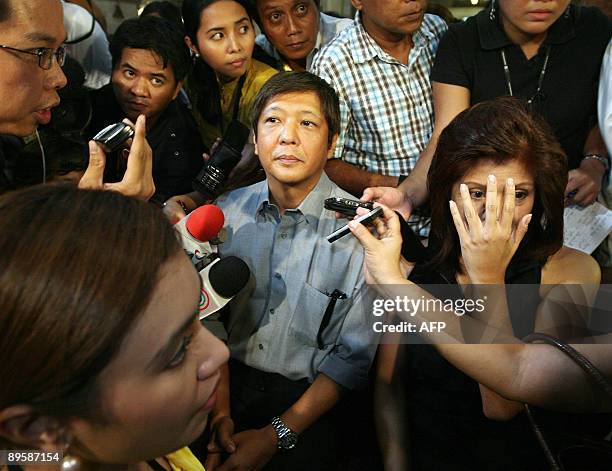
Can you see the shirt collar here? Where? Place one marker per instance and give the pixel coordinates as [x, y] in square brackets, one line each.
[312, 204]
[371, 49]
[492, 35]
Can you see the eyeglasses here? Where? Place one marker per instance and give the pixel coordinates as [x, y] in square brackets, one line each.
[45, 55]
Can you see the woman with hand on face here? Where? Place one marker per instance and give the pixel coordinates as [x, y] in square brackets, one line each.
[103, 357]
[547, 53]
[496, 185]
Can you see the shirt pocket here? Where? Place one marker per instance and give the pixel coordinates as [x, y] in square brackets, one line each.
[308, 316]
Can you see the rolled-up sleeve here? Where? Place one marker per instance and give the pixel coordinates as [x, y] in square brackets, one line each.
[350, 359]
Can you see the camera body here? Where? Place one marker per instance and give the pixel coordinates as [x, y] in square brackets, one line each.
[113, 136]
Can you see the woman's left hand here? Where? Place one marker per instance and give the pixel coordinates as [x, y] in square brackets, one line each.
[488, 248]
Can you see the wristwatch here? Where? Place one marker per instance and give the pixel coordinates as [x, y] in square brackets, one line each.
[287, 438]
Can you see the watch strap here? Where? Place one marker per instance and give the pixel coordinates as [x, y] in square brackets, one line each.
[287, 438]
[603, 159]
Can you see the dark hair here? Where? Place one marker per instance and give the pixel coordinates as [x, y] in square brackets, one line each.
[5, 10]
[300, 82]
[205, 87]
[500, 131]
[72, 284]
[166, 10]
[163, 37]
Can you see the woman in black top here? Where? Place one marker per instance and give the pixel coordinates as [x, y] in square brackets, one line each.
[504, 175]
[546, 53]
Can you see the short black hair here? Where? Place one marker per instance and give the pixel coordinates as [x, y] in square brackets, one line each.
[163, 37]
[165, 9]
[300, 82]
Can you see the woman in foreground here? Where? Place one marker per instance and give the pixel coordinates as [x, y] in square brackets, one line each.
[103, 358]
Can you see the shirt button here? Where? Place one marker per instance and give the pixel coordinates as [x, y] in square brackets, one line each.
[283, 235]
[260, 346]
[277, 275]
[176, 153]
[271, 311]
[172, 135]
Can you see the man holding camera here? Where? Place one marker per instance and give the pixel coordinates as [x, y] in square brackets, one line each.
[32, 33]
[150, 61]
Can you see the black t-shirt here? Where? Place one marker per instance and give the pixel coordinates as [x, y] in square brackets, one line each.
[10, 147]
[469, 55]
[174, 139]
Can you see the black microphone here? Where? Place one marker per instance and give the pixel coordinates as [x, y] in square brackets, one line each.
[221, 281]
[224, 158]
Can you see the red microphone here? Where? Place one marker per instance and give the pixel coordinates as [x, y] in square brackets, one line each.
[197, 229]
[205, 222]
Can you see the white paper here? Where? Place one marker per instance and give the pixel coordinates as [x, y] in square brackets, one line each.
[586, 228]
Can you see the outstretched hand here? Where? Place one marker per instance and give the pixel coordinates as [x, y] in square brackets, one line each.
[138, 178]
[488, 248]
[393, 198]
[382, 263]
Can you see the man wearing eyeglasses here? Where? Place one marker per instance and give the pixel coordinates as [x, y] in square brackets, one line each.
[31, 54]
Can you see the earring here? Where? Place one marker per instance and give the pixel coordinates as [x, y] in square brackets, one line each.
[71, 463]
[492, 12]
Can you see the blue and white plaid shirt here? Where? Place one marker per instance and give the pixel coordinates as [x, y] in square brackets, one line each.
[386, 106]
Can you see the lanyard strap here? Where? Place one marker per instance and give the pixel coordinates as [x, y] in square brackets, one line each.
[540, 78]
[237, 97]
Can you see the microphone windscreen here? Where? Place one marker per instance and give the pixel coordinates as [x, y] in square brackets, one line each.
[205, 222]
[229, 275]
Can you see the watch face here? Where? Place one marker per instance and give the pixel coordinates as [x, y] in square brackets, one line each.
[289, 441]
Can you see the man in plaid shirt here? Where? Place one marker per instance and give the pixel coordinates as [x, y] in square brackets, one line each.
[380, 69]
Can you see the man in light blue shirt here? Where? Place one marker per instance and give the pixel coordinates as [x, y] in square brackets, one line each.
[299, 335]
[295, 30]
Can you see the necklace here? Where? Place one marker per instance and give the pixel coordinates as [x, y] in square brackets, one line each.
[540, 78]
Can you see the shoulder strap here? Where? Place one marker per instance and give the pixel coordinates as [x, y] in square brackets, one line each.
[578, 358]
[237, 96]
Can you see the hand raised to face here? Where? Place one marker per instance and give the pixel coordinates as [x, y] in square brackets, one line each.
[488, 246]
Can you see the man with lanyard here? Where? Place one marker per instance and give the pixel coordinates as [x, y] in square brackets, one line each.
[31, 34]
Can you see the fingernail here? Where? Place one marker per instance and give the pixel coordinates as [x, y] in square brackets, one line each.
[92, 147]
[528, 220]
[352, 224]
[491, 178]
[463, 188]
[451, 203]
[510, 182]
